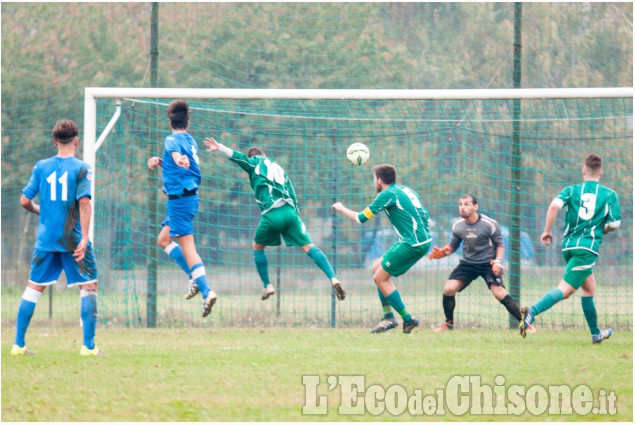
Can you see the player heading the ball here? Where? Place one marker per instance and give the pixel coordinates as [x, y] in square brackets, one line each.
[410, 220]
[280, 213]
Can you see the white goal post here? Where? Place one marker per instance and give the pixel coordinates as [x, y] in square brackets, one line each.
[91, 94]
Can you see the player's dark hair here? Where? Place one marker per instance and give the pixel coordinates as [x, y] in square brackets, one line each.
[472, 197]
[179, 114]
[386, 172]
[593, 163]
[255, 150]
[65, 131]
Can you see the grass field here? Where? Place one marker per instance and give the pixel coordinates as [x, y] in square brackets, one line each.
[303, 299]
[256, 374]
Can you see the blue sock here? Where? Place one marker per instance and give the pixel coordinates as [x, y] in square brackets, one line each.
[25, 312]
[322, 262]
[385, 306]
[198, 274]
[262, 265]
[174, 251]
[89, 316]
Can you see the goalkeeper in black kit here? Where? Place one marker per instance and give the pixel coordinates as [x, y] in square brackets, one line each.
[483, 253]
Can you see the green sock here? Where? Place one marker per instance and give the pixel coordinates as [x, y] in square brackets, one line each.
[262, 265]
[547, 301]
[387, 308]
[394, 299]
[322, 262]
[591, 314]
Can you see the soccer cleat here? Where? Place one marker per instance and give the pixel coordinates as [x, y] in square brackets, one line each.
[94, 352]
[409, 326]
[604, 334]
[385, 325]
[337, 287]
[526, 319]
[16, 350]
[209, 302]
[531, 329]
[445, 326]
[268, 291]
[193, 290]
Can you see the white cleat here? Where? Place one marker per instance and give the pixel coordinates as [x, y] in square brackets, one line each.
[192, 291]
[209, 302]
[337, 287]
[268, 291]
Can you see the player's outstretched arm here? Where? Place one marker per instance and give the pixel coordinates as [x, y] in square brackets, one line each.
[212, 144]
[438, 253]
[339, 207]
[247, 164]
[29, 205]
[154, 162]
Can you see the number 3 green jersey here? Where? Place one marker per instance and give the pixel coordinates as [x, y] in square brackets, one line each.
[270, 183]
[405, 212]
[590, 206]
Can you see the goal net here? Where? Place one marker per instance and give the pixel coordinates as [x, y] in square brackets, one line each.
[513, 149]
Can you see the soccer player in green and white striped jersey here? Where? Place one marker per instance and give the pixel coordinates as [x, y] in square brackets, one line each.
[592, 211]
[410, 221]
[280, 213]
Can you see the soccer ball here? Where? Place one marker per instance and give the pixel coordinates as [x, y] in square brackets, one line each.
[357, 153]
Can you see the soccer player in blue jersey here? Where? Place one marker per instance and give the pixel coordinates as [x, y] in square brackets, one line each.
[592, 211]
[181, 179]
[64, 185]
[410, 221]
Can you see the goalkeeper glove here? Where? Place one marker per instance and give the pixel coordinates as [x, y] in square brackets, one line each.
[497, 267]
[438, 253]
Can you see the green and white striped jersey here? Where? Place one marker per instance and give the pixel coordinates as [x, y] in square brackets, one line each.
[590, 206]
[270, 183]
[405, 212]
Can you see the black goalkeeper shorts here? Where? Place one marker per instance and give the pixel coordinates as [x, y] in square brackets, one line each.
[467, 272]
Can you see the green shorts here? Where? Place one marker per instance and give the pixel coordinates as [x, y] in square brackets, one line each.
[400, 257]
[580, 264]
[281, 221]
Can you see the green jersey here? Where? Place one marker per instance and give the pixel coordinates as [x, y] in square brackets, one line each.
[270, 183]
[405, 212]
[590, 206]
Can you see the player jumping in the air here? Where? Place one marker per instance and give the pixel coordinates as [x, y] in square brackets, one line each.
[410, 220]
[592, 211]
[181, 179]
[280, 213]
[483, 253]
[64, 185]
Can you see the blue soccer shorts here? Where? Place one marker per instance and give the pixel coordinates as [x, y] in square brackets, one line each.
[46, 267]
[181, 214]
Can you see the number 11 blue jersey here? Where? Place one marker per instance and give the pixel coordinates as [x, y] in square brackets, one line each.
[61, 182]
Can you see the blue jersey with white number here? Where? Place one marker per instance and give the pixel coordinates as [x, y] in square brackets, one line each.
[178, 179]
[61, 183]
